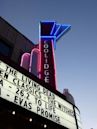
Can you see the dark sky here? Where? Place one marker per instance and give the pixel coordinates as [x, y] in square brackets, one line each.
[76, 52]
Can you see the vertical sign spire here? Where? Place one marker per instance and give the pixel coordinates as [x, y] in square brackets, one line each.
[50, 32]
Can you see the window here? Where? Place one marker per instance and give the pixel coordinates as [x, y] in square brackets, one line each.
[5, 49]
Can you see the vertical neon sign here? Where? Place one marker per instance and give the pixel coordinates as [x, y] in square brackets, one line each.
[50, 32]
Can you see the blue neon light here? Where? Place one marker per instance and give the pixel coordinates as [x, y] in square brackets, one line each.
[51, 30]
[48, 37]
[63, 29]
[57, 29]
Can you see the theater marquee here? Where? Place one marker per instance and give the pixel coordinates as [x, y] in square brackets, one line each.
[25, 92]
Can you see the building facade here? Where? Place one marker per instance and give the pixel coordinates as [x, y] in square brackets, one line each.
[12, 43]
[27, 102]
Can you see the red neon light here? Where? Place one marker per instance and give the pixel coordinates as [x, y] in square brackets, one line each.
[49, 73]
[54, 63]
[40, 60]
[25, 59]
